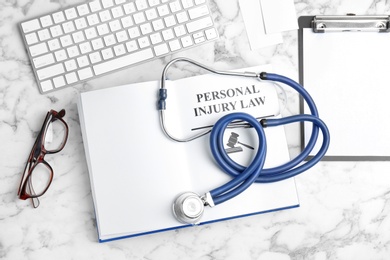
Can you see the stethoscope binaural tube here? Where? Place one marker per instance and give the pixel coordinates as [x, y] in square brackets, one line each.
[188, 207]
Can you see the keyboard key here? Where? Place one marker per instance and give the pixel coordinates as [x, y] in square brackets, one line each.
[51, 71]
[143, 42]
[163, 10]
[161, 49]
[56, 31]
[168, 34]
[38, 49]
[186, 41]
[71, 78]
[90, 33]
[97, 44]
[31, 38]
[78, 37]
[93, 19]
[197, 12]
[154, 2]
[121, 36]
[58, 17]
[68, 27]
[158, 24]
[211, 34]
[82, 9]
[73, 51]
[123, 61]
[66, 40]
[60, 55]
[46, 85]
[54, 44]
[134, 32]
[155, 38]
[199, 24]
[174, 45]
[82, 61]
[70, 65]
[199, 39]
[43, 60]
[109, 40]
[146, 28]
[175, 6]
[95, 6]
[85, 73]
[180, 30]
[70, 13]
[139, 18]
[107, 54]
[182, 17]
[30, 26]
[187, 3]
[131, 46]
[43, 34]
[151, 14]
[141, 4]
[126, 21]
[115, 26]
[117, 12]
[119, 50]
[85, 47]
[129, 8]
[170, 21]
[80, 23]
[46, 21]
[105, 15]
[107, 3]
[95, 57]
[59, 81]
[102, 29]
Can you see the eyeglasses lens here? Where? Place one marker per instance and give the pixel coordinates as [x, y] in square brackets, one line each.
[55, 136]
[39, 179]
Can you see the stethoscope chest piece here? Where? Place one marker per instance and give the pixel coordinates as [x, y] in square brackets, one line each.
[188, 208]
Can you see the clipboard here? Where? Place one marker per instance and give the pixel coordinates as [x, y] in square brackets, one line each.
[344, 63]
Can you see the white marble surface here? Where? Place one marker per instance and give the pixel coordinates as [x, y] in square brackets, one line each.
[345, 206]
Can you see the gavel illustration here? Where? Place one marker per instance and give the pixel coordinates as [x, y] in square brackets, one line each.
[233, 140]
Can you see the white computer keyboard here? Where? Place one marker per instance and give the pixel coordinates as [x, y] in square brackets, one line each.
[95, 38]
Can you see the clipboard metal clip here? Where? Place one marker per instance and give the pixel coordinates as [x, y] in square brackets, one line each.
[351, 23]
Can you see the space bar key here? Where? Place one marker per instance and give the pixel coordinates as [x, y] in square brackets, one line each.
[123, 61]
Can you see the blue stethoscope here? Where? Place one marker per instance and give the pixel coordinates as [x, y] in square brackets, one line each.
[188, 207]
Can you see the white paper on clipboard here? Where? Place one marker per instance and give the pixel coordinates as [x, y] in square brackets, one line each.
[347, 74]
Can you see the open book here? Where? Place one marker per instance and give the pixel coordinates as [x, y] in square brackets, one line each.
[136, 171]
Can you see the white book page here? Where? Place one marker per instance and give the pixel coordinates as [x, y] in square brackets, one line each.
[136, 170]
[344, 73]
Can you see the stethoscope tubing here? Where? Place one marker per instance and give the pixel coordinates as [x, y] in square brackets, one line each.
[245, 176]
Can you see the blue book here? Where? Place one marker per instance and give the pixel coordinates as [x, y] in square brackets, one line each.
[136, 171]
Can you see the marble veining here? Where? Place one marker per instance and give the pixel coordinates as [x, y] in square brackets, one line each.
[345, 206]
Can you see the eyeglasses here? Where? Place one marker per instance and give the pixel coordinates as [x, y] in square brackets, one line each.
[38, 174]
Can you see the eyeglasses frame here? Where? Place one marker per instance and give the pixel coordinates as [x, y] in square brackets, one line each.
[37, 155]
